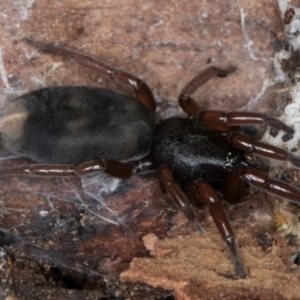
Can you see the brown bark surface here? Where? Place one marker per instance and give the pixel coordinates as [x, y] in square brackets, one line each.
[52, 248]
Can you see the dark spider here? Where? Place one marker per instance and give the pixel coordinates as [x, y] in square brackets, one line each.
[71, 131]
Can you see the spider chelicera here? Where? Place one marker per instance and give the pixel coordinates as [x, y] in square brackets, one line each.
[72, 131]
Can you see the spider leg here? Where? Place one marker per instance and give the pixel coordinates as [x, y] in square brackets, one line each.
[207, 195]
[218, 119]
[274, 187]
[234, 187]
[175, 193]
[141, 89]
[187, 103]
[251, 146]
[111, 167]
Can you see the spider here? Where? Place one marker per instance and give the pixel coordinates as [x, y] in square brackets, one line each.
[72, 131]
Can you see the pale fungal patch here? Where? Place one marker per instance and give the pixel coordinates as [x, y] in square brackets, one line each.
[279, 75]
[290, 114]
[24, 8]
[291, 117]
[292, 29]
[43, 213]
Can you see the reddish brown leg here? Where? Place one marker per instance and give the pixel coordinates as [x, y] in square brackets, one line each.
[187, 103]
[250, 146]
[113, 168]
[234, 187]
[207, 196]
[241, 118]
[218, 119]
[275, 187]
[175, 193]
[141, 89]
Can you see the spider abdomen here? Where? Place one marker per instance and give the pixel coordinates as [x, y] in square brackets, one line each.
[71, 125]
[193, 151]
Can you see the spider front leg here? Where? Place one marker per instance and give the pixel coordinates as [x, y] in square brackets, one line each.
[221, 120]
[111, 167]
[187, 103]
[141, 89]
